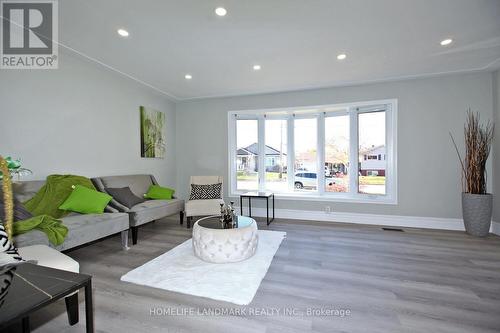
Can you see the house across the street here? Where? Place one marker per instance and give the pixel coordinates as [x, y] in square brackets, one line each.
[247, 158]
[373, 161]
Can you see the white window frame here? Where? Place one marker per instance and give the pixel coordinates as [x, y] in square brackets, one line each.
[320, 112]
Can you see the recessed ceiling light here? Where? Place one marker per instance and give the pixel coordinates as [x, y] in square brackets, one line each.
[342, 56]
[123, 32]
[220, 11]
[188, 76]
[447, 41]
[256, 67]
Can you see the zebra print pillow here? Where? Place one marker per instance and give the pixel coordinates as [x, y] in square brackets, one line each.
[206, 192]
[6, 247]
[8, 258]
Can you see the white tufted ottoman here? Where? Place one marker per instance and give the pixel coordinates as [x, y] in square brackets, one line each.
[213, 243]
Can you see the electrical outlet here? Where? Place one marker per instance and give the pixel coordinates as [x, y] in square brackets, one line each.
[328, 209]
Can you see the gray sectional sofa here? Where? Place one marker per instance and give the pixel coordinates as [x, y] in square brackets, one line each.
[86, 228]
[145, 212]
[82, 228]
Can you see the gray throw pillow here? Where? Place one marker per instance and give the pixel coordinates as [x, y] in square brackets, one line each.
[20, 212]
[125, 196]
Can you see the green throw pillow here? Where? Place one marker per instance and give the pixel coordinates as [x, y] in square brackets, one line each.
[158, 192]
[86, 201]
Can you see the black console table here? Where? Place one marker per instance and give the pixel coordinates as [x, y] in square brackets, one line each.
[30, 287]
[258, 195]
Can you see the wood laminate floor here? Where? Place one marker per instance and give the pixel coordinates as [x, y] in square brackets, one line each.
[412, 281]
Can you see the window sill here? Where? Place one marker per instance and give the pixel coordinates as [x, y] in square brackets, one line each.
[369, 199]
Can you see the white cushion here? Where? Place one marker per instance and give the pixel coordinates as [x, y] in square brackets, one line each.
[49, 257]
[206, 180]
[203, 207]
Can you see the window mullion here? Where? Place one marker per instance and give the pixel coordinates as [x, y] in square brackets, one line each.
[390, 168]
[320, 146]
[262, 151]
[353, 152]
[290, 169]
[232, 150]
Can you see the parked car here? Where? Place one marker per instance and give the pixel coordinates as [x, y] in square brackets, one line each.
[309, 180]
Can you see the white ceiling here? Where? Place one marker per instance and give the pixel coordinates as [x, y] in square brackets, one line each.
[295, 41]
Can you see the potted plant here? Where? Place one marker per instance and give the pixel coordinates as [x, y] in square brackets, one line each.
[476, 202]
[14, 167]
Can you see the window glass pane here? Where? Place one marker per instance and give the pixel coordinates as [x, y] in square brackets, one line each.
[247, 155]
[276, 157]
[305, 139]
[336, 154]
[371, 128]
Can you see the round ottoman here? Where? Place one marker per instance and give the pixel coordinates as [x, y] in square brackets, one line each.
[217, 243]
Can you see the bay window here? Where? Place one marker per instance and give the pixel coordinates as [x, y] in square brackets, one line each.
[248, 165]
[372, 144]
[276, 147]
[337, 153]
[344, 152]
[306, 154]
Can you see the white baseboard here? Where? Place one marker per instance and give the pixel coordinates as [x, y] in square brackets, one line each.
[495, 228]
[372, 219]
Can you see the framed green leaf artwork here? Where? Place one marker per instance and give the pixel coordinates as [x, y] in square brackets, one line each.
[152, 133]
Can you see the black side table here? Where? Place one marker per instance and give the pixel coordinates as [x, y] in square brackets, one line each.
[32, 287]
[258, 195]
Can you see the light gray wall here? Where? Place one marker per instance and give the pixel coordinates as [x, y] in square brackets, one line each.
[80, 119]
[429, 178]
[496, 147]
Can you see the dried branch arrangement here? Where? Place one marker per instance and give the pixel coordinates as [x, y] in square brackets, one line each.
[7, 198]
[478, 141]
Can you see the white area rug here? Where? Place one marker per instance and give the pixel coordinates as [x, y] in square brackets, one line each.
[180, 271]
